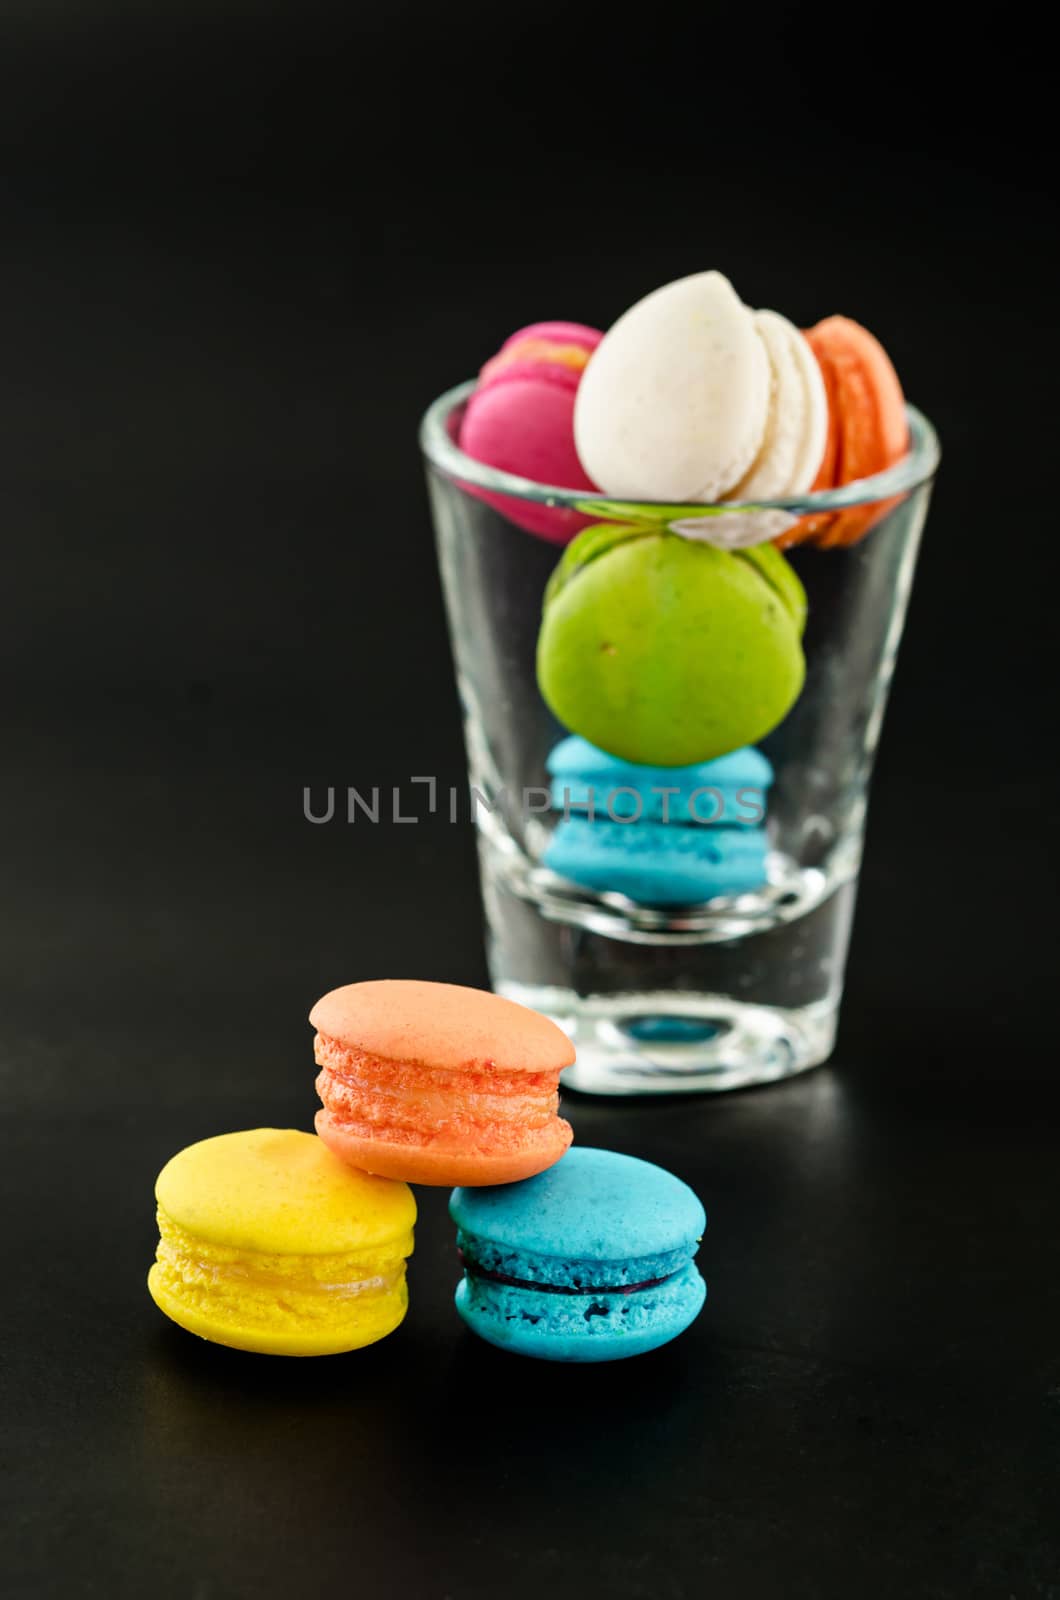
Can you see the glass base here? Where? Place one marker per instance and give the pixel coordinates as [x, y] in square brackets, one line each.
[669, 1043]
[722, 996]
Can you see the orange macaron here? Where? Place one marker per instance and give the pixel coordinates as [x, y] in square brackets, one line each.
[438, 1084]
[867, 428]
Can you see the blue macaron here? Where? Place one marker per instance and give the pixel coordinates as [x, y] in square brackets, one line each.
[589, 1261]
[659, 835]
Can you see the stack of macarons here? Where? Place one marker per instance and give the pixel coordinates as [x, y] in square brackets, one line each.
[661, 836]
[674, 636]
[283, 1242]
[667, 652]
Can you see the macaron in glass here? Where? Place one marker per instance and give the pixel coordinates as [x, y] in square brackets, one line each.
[438, 1084]
[269, 1243]
[675, 400]
[591, 1261]
[692, 397]
[520, 418]
[660, 836]
[867, 428]
[666, 651]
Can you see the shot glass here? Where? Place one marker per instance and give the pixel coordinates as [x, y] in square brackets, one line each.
[733, 991]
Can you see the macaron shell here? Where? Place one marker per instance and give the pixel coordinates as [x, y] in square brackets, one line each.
[827, 474]
[581, 1328]
[578, 334]
[797, 426]
[565, 346]
[597, 1205]
[574, 757]
[525, 425]
[354, 1327]
[440, 1164]
[658, 863]
[279, 1191]
[874, 431]
[868, 432]
[782, 579]
[674, 402]
[737, 785]
[666, 652]
[520, 419]
[441, 1025]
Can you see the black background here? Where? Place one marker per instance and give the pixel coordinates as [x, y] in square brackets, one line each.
[244, 245]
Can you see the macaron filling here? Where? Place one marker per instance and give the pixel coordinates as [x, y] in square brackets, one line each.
[223, 1284]
[411, 1102]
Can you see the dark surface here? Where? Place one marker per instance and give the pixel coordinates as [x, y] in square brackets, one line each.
[241, 253]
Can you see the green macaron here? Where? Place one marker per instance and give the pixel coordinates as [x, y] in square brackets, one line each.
[665, 650]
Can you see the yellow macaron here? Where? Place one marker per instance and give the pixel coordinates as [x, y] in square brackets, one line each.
[270, 1243]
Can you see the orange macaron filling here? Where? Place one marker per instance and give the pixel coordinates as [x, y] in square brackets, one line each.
[366, 1093]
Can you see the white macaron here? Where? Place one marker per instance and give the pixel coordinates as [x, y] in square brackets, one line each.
[693, 398]
[675, 401]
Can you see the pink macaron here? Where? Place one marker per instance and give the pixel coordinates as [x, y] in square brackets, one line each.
[521, 419]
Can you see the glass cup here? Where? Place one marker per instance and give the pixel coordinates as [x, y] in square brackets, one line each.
[738, 990]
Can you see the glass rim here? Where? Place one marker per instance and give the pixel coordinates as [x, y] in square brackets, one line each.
[917, 467]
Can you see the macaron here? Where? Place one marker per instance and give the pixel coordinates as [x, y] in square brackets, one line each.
[694, 398]
[269, 1243]
[520, 418]
[659, 835]
[667, 652]
[674, 402]
[867, 433]
[590, 1261]
[435, 1083]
